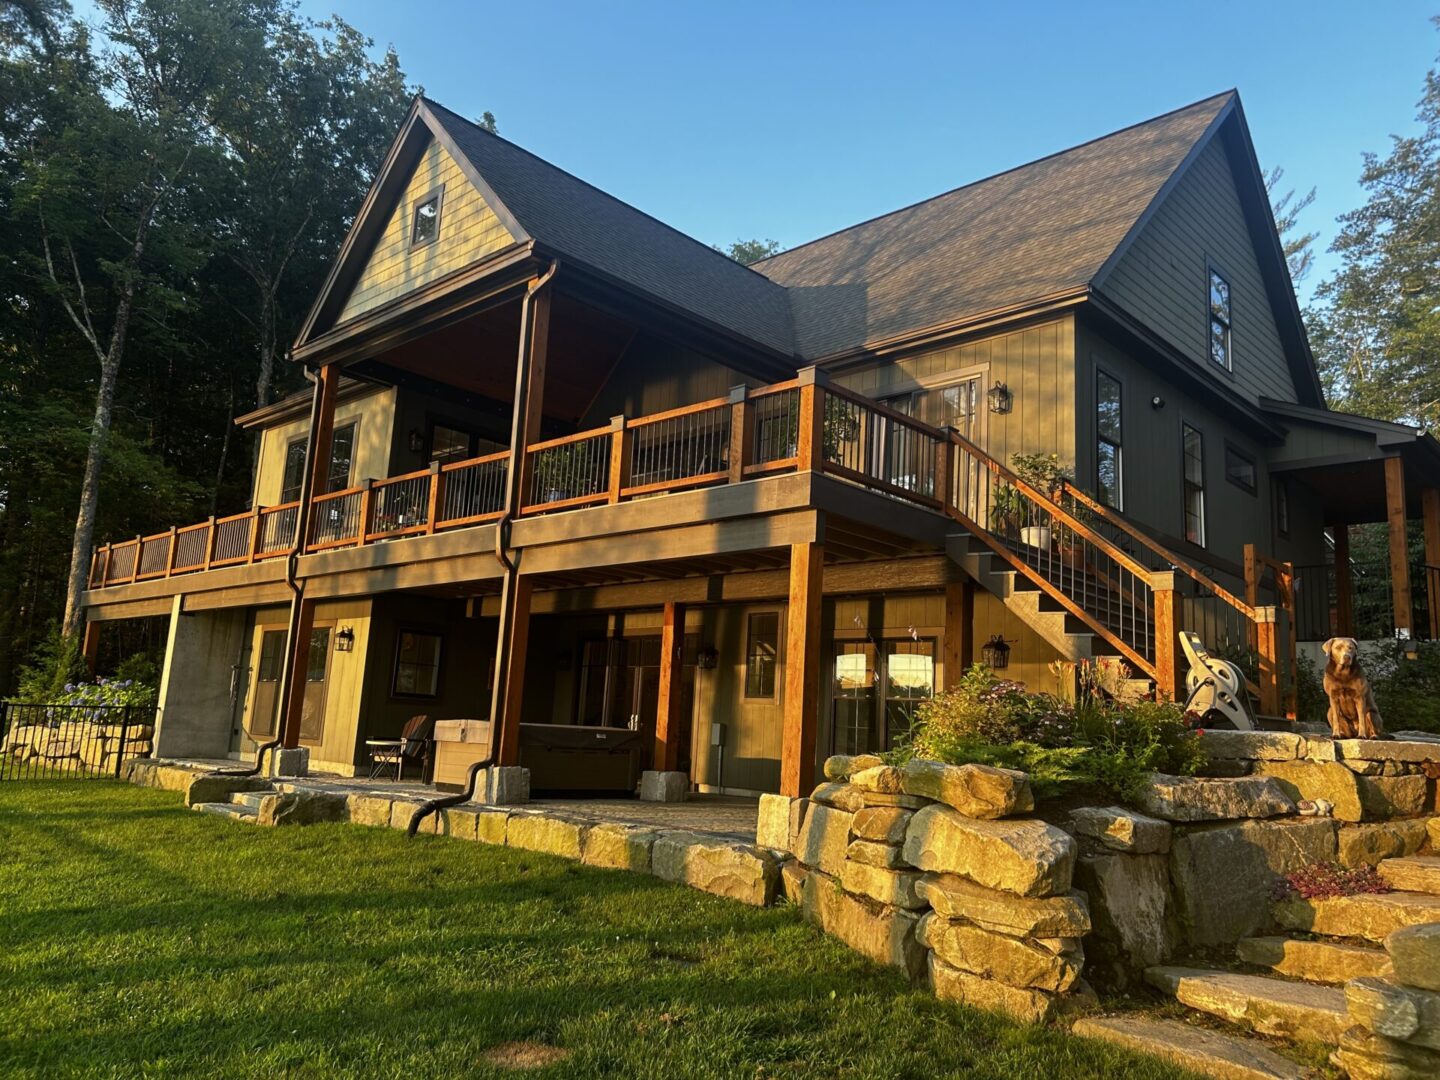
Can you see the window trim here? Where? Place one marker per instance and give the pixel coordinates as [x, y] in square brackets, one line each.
[1119, 446]
[1213, 268]
[944, 380]
[411, 695]
[290, 444]
[1186, 484]
[1231, 448]
[353, 423]
[438, 194]
[750, 617]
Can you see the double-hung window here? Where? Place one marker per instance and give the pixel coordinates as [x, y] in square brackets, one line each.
[1193, 450]
[1240, 469]
[342, 455]
[1220, 321]
[1108, 441]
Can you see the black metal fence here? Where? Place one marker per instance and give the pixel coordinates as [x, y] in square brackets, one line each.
[1372, 604]
[43, 742]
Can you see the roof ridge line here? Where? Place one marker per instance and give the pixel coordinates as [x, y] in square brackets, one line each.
[992, 176]
[601, 191]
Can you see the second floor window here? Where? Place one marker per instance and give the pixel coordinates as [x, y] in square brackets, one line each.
[1282, 508]
[1193, 449]
[342, 455]
[1240, 469]
[1108, 430]
[1220, 321]
[426, 226]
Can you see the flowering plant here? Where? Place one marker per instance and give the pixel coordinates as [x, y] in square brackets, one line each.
[104, 693]
[1327, 880]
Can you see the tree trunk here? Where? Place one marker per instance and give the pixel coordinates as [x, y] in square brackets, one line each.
[80, 550]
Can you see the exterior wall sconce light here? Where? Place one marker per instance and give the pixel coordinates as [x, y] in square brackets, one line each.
[417, 441]
[1000, 397]
[1157, 402]
[996, 654]
[708, 658]
[345, 639]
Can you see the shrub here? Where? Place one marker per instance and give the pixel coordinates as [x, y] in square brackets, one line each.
[1326, 880]
[1064, 746]
[57, 664]
[1407, 691]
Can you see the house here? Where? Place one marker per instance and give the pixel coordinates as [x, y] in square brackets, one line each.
[568, 469]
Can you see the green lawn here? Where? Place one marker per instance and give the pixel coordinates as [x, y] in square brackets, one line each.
[138, 938]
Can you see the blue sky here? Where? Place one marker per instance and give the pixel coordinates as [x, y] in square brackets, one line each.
[790, 120]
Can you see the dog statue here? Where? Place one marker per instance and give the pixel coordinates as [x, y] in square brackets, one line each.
[1353, 713]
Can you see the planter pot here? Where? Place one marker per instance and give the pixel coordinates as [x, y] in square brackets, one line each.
[1036, 536]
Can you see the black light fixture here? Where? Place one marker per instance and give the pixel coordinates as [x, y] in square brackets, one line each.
[996, 653]
[1157, 402]
[417, 441]
[707, 658]
[345, 639]
[1000, 397]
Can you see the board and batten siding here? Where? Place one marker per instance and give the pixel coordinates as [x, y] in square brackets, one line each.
[469, 231]
[1163, 279]
[374, 417]
[1037, 363]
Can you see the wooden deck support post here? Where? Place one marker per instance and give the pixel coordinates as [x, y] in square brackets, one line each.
[802, 669]
[1267, 646]
[90, 646]
[667, 712]
[959, 653]
[1168, 666]
[1399, 547]
[508, 698]
[1344, 584]
[294, 710]
[1430, 508]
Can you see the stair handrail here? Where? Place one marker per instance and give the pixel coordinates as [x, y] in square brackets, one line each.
[1199, 577]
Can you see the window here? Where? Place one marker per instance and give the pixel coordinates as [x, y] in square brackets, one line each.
[1220, 321]
[448, 443]
[294, 471]
[874, 697]
[944, 406]
[417, 664]
[1193, 449]
[1282, 508]
[761, 649]
[426, 225]
[1240, 468]
[1108, 438]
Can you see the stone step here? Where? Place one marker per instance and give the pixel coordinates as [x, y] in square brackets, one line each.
[1372, 916]
[249, 798]
[233, 811]
[1293, 1010]
[1413, 873]
[1209, 1053]
[1314, 961]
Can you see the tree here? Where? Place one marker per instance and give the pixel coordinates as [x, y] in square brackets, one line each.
[1376, 331]
[1298, 247]
[749, 252]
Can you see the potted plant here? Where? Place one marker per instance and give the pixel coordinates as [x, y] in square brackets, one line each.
[1041, 472]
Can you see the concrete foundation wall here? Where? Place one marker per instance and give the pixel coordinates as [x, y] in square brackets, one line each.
[195, 711]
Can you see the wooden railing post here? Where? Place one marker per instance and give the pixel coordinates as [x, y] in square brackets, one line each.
[619, 456]
[437, 481]
[742, 437]
[170, 556]
[135, 563]
[212, 535]
[944, 451]
[105, 566]
[367, 508]
[1344, 584]
[1167, 628]
[254, 533]
[1267, 646]
[810, 439]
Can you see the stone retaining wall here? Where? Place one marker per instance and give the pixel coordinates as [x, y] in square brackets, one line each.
[1396, 1017]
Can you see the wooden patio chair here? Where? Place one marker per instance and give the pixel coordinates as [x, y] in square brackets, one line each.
[412, 745]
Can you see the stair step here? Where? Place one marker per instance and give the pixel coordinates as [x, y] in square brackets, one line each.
[1209, 1053]
[1314, 961]
[1413, 873]
[1271, 1006]
[228, 810]
[249, 798]
[1371, 916]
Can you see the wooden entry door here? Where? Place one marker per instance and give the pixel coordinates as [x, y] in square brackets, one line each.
[265, 702]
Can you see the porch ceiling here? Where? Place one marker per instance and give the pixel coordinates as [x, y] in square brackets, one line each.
[1353, 492]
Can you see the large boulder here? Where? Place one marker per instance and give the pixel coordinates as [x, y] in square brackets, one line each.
[886, 856]
[977, 791]
[618, 846]
[547, 834]
[1011, 960]
[1189, 798]
[1223, 874]
[884, 934]
[1121, 829]
[882, 824]
[954, 897]
[779, 820]
[824, 835]
[893, 887]
[1131, 908]
[842, 766]
[1024, 857]
[1372, 916]
[1387, 1008]
[1368, 845]
[300, 808]
[216, 787]
[1365, 1055]
[725, 868]
[840, 796]
[1331, 781]
[1252, 745]
[884, 779]
[1031, 1006]
[361, 809]
[1415, 953]
[1393, 796]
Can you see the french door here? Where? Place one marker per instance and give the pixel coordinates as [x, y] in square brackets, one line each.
[265, 701]
[875, 690]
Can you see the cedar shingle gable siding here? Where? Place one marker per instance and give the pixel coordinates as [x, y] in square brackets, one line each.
[1039, 230]
[469, 231]
[1162, 279]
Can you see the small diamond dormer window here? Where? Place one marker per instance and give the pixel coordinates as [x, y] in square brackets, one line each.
[426, 225]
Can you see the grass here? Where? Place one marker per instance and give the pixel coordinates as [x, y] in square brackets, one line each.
[138, 938]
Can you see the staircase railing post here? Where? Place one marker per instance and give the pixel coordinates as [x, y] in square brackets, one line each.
[1267, 647]
[1167, 628]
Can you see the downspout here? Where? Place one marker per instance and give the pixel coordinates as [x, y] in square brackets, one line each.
[502, 535]
[297, 591]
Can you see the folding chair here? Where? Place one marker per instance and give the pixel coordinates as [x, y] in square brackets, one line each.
[413, 745]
